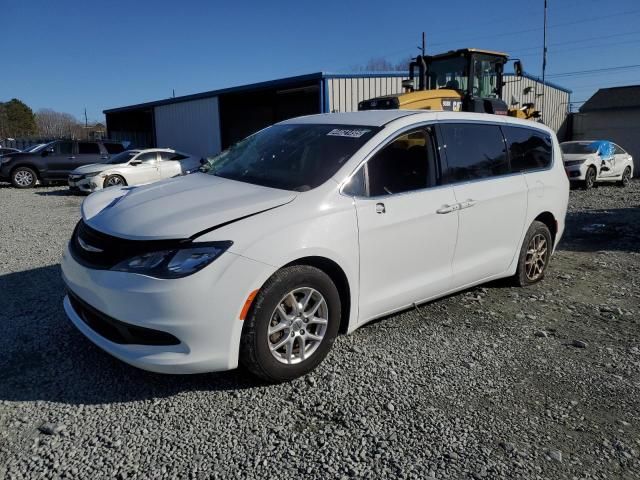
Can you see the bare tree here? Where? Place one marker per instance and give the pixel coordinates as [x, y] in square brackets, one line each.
[381, 64]
[52, 124]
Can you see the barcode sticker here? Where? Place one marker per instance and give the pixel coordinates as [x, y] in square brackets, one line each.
[345, 132]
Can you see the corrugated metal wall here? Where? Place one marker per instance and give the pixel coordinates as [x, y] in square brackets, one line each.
[345, 93]
[193, 126]
[518, 91]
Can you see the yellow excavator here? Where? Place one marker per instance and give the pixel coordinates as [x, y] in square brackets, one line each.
[467, 80]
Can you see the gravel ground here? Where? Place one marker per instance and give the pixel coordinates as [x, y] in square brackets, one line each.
[495, 382]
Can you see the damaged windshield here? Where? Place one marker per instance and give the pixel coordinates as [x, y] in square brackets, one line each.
[291, 157]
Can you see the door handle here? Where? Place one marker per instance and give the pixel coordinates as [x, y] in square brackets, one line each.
[71, 158]
[104, 157]
[468, 203]
[380, 208]
[448, 208]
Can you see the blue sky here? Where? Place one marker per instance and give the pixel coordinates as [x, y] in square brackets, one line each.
[68, 55]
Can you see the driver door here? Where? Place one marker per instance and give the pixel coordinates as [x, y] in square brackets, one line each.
[406, 227]
[143, 169]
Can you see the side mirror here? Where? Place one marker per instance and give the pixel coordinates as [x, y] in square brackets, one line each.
[517, 68]
[134, 163]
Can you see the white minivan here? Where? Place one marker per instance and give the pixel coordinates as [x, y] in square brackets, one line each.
[308, 228]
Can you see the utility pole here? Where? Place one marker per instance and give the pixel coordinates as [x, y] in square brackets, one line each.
[423, 47]
[86, 123]
[544, 58]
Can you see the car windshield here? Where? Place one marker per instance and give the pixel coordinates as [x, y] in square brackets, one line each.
[291, 157]
[37, 148]
[586, 147]
[122, 157]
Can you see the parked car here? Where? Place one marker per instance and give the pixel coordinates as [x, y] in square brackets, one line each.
[54, 161]
[7, 151]
[133, 167]
[313, 226]
[591, 161]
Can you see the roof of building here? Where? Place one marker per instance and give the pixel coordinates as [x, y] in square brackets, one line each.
[613, 98]
[281, 82]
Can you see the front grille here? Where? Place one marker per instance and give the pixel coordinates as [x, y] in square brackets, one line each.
[116, 331]
[97, 250]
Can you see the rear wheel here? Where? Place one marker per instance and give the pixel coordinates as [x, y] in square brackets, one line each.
[534, 255]
[114, 181]
[626, 177]
[590, 177]
[291, 325]
[24, 177]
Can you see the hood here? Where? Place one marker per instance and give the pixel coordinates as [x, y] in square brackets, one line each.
[177, 208]
[570, 157]
[92, 168]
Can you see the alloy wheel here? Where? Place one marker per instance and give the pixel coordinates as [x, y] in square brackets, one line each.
[536, 259]
[114, 181]
[590, 179]
[23, 178]
[626, 176]
[297, 326]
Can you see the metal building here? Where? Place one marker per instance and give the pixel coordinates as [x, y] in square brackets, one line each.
[205, 123]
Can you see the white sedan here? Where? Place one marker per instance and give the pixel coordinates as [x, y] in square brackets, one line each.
[133, 167]
[591, 161]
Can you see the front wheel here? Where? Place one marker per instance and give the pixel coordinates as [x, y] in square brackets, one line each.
[114, 181]
[291, 325]
[590, 177]
[534, 255]
[626, 177]
[24, 177]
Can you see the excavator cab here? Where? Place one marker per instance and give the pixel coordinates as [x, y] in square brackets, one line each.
[469, 80]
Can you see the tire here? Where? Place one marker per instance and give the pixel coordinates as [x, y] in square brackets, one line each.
[590, 178]
[114, 181]
[626, 177]
[24, 177]
[526, 274]
[259, 351]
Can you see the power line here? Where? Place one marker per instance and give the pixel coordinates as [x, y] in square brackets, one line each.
[594, 71]
[601, 37]
[582, 47]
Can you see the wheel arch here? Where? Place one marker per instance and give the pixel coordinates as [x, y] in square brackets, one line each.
[550, 221]
[339, 278]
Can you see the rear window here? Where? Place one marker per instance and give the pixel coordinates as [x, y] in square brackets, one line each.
[291, 157]
[113, 148]
[528, 149]
[473, 151]
[88, 147]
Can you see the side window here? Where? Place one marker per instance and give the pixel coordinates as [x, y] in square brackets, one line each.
[618, 150]
[356, 186]
[64, 148]
[147, 157]
[88, 148]
[528, 149]
[171, 156]
[114, 148]
[474, 151]
[405, 164]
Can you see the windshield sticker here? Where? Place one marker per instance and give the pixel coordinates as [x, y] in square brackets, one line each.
[344, 132]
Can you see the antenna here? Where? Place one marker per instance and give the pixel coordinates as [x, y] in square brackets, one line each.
[544, 58]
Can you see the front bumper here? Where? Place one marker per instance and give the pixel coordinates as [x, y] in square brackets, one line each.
[201, 311]
[83, 184]
[576, 172]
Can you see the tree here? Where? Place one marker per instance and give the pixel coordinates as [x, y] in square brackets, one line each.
[52, 124]
[16, 119]
[381, 64]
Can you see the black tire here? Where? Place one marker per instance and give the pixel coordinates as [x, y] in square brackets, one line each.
[590, 178]
[24, 177]
[255, 352]
[626, 177]
[522, 278]
[109, 181]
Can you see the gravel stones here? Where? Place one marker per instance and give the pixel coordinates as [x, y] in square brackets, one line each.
[444, 392]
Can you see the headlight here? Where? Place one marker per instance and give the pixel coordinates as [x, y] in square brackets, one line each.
[89, 175]
[5, 159]
[571, 163]
[174, 263]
